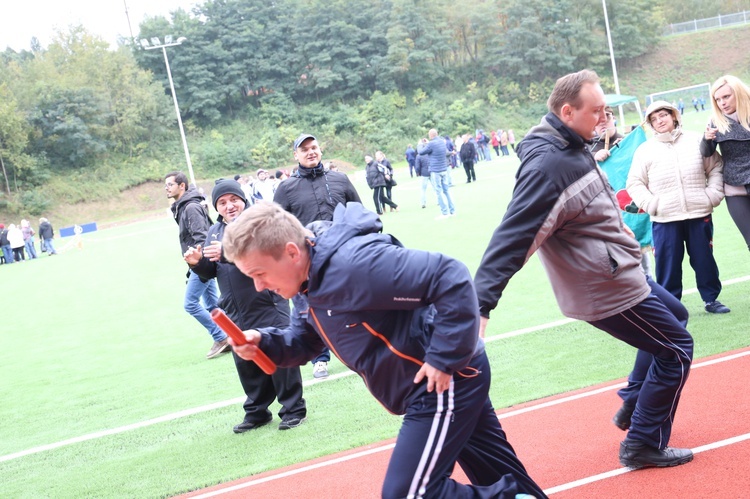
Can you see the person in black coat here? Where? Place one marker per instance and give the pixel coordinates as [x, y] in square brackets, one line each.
[249, 309]
[468, 153]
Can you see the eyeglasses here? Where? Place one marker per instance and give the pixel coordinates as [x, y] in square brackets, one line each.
[660, 116]
[169, 184]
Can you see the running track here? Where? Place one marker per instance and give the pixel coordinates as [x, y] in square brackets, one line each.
[569, 446]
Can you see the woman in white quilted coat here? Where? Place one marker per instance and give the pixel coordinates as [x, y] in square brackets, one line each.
[671, 181]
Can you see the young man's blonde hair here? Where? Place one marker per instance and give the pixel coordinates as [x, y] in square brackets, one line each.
[264, 227]
[568, 90]
[741, 98]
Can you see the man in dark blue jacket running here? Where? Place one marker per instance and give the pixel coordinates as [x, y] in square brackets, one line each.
[406, 321]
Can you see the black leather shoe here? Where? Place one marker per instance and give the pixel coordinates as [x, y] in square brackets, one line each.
[622, 417]
[250, 425]
[637, 455]
[291, 422]
[716, 307]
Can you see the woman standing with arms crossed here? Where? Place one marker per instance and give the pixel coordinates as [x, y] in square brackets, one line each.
[729, 128]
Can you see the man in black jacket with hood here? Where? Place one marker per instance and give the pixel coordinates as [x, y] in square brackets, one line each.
[192, 218]
[249, 309]
[311, 194]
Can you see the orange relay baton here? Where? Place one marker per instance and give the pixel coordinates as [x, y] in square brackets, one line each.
[228, 326]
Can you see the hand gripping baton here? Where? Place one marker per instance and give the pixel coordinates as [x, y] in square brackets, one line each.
[228, 326]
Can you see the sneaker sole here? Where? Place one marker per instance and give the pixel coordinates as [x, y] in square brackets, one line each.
[264, 423]
[639, 466]
[283, 427]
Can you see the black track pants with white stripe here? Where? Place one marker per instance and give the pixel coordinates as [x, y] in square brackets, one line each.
[459, 425]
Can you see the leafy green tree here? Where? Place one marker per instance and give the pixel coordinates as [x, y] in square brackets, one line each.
[13, 137]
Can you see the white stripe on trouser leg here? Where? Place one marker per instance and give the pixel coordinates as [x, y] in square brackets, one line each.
[422, 478]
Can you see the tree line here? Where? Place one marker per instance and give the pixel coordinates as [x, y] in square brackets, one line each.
[252, 72]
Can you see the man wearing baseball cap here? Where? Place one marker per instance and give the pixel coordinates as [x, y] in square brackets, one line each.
[312, 193]
[249, 309]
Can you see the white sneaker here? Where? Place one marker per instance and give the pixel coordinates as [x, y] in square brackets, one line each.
[320, 370]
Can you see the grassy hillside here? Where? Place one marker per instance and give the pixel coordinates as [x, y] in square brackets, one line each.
[677, 61]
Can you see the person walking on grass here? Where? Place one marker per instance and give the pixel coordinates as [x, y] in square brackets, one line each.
[564, 208]
[248, 308]
[47, 234]
[193, 221]
[406, 321]
[439, 175]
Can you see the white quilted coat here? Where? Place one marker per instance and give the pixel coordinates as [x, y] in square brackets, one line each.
[671, 181]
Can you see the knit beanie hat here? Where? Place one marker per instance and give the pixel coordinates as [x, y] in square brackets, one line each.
[227, 186]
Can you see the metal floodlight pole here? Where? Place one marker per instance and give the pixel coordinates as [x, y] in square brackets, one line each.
[163, 46]
[612, 58]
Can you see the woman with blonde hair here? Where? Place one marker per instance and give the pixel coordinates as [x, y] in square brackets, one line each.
[729, 129]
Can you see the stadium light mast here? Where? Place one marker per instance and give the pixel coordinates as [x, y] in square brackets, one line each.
[612, 58]
[156, 44]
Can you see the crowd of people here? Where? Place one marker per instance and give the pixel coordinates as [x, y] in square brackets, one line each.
[412, 323]
[18, 244]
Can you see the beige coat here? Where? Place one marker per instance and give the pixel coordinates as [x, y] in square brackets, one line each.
[670, 180]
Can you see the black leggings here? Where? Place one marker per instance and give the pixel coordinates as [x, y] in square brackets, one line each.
[18, 254]
[739, 209]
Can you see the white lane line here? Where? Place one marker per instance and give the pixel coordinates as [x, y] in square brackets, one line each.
[559, 488]
[621, 471]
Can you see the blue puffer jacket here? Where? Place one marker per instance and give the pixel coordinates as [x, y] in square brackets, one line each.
[437, 152]
[382, 309]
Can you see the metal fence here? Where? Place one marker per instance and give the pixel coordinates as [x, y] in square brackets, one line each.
[709, 23]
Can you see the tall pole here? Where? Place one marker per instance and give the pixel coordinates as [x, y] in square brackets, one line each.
[612, 57]
[163, 48]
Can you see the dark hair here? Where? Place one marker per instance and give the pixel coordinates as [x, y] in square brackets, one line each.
[179, 178]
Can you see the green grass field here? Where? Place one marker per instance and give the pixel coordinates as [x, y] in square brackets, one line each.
[95, 339]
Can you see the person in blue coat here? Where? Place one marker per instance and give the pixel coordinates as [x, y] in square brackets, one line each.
[406, 321]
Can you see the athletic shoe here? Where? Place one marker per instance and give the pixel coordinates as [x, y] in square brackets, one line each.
[250, 425]
[320, 370]
[622, 417]
[287, 423]
[637, 455]
[218, 348]
[716, 307]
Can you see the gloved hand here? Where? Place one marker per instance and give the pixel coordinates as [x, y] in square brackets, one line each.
[632, 207]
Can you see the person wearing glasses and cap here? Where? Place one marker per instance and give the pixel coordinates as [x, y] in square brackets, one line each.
[311, 193]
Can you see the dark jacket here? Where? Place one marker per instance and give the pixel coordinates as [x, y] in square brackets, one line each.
[468, 152]
[247, 307]
[564, 208]
[4, 237]
[437, 153]
[422, 166]
[735, 153]
[411, 155]
[192, 218]
[46, 231]
[381, 308]
[375, 174]
[312, 193]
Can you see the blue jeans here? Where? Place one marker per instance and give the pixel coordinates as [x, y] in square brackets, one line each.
[48, 246]
[30, 248]
[441, 182]
[486, 152]
[7, 253]
[195, 290]
[425, 181]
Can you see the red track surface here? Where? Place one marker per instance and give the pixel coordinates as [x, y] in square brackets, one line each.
[569, 446]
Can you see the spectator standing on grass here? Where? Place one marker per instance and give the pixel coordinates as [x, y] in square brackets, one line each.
[563, 207]
[263, 187]
[5, 245]
[15, 237]
[729, 130]
[411, 159]
[671, 181]
[468, 152]
[439, 175]
[311, 194]
[28, 239]
[249, 309]
[504, 142]
[495, 141]
[422, 168]
[193, 221]
[512, 139]
[406, 321]
[375, 174]
[47, 234]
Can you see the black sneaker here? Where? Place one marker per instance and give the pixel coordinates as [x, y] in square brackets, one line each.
[290, 422]
[250, 425]
[622, 417]
[637, 455]
[716, 307]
